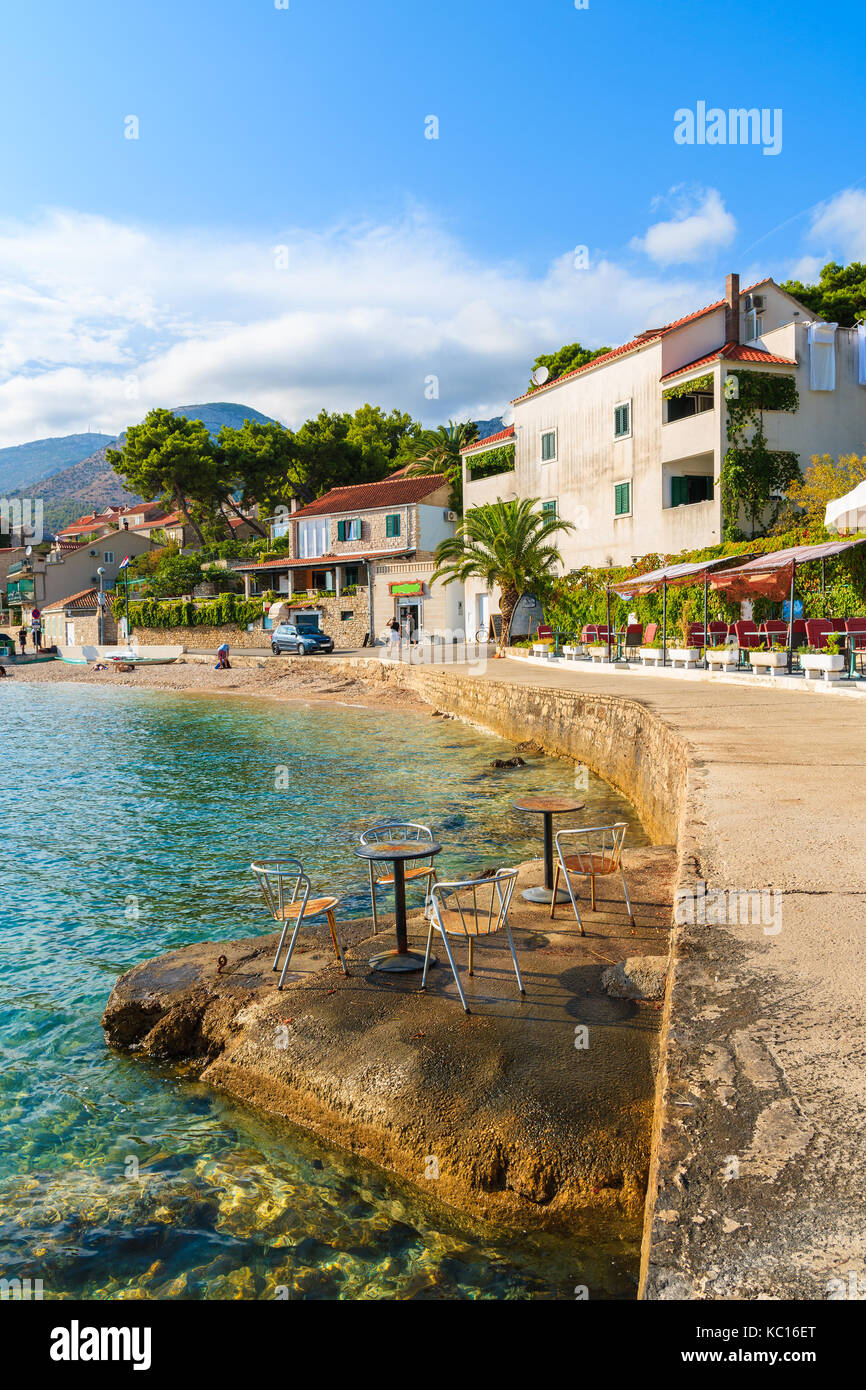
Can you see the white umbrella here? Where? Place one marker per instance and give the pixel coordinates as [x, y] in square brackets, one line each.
[847, 513]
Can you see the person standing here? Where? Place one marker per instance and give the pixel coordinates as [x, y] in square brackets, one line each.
[36, 629]
[393, 635]
[22, 638]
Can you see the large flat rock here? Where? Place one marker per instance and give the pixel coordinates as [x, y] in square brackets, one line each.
[535, 1112]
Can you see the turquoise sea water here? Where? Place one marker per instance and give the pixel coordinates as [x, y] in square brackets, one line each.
[129, 822]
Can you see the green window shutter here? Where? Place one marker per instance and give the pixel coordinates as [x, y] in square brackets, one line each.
[622, 499]
[679, 492]
[341, 530]
[548, 509]
[392, 526]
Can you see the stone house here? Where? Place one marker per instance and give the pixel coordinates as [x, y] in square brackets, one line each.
[362, 555]
[74, 621]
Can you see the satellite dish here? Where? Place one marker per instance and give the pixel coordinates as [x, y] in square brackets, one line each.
[540, 375]
[28, 551]
[507, 417]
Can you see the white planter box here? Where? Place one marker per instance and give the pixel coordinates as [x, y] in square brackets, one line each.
[769, 661]
[600, 653]
[571, 653]
[684, 656]
[541, 649]
[651, 656]
[725, 659]
[823, 664]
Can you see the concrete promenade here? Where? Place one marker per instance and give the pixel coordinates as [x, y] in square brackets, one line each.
[758, 1187]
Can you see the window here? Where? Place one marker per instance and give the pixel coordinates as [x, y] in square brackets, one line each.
[681, 406]
[622, 499]
[548, 508]
[548, 446]
[392, 524]
[695, 488]
[622, 420]
[349, 530]
[108, 556]
[323, 579]
[350, 575]
[313, 538]
[754, 325]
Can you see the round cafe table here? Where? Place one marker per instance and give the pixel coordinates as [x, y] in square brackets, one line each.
[548, 807]
[397, 852]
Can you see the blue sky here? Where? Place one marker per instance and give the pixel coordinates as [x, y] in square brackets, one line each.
[137, 272]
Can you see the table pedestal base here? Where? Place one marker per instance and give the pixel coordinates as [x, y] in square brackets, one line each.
[544, 895]
[400, 962]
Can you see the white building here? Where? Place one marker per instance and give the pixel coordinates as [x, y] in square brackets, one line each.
[636, 472]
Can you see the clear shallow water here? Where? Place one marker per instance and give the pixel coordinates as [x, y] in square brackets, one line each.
[129, 822]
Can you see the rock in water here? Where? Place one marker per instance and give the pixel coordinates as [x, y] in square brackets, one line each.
[508, 762]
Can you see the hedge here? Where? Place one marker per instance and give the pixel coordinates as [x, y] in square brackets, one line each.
[223, 610]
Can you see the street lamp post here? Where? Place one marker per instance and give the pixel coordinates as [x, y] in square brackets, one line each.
[100, 605]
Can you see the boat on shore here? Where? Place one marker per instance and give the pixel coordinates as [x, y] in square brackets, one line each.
[120, 656]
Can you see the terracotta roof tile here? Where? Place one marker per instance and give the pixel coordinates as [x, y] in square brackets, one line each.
[390, 492]
[733, 352]
[324, 561]
[651, 335]
[73, 601]
[490, 439]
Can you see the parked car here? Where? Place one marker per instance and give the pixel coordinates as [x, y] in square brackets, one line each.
[301, 640]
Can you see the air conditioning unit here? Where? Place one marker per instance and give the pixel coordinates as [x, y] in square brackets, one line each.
[757, 301]
[93, 554]
[449, 516]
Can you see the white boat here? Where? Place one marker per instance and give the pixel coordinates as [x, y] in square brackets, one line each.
[131, 656]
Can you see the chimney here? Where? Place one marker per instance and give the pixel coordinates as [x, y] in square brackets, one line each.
[732, 309]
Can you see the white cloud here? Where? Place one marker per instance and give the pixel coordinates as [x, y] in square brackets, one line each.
[701, 224]
[841, 223]
[100, 321]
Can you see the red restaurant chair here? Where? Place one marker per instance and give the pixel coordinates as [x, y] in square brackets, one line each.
[651, 634]
[856, 629]
[746, 633]
[817, 631]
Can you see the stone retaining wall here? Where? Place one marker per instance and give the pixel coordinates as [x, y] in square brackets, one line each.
[198, 637]
[617, 738]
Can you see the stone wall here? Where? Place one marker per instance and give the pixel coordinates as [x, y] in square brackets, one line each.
[195, 638]
[617, 738]
[345, 617]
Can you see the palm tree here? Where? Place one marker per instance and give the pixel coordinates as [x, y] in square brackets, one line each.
[441, 454]
[505, 544]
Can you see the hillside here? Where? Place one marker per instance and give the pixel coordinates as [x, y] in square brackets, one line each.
[90, 484]
[44, 457]
[486, 427]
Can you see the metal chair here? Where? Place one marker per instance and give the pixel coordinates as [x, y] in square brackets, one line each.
[286, 890]
[383, 833]
[471, 908]
[597, 852]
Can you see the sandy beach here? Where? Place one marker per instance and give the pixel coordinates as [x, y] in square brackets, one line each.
[267, 677]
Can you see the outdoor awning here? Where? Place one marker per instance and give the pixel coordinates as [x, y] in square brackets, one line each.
[406, 588]
[770, 576]
[690, 573]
